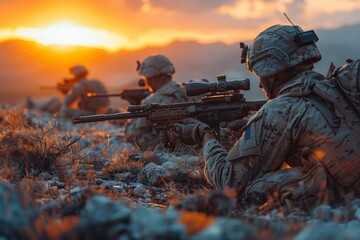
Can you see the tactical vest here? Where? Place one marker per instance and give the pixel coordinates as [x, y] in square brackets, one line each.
[344, 170]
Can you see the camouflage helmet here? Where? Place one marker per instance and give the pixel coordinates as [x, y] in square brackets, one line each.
[280, 47]
[79, 71]
[156, 65]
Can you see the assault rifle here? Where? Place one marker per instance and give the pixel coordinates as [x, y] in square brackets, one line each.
[133, 96]
[64, 85]
[223, 104]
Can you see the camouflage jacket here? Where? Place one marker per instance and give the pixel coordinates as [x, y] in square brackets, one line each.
[298, 129]
[141, 129]
[79, 92]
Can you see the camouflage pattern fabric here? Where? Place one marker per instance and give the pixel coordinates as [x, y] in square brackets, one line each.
[297, 129]
[85, 105]
[141, 130]
[156, 65]
[275, 50]
[348, 78]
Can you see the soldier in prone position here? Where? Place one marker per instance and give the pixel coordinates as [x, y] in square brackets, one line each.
[78, 95]
[157, 71]
[297, 127]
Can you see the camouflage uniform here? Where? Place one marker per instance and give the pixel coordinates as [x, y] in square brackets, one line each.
[290, 130]
[142, 129]
[85, 105]
[309, 127]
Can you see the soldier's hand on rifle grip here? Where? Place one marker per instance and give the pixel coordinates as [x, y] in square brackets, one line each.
[192, 131]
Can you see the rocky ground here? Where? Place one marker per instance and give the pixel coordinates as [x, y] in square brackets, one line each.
[65, 181]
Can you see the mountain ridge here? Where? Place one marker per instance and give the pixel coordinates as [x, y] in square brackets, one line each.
[31, 65]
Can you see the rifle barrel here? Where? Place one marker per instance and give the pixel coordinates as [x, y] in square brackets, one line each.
[104, 94]
[104, 117]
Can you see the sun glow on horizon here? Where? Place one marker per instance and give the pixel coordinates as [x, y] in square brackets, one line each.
[68, 33]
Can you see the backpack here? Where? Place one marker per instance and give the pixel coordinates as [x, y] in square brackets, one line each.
[342, 90]
[347, 78]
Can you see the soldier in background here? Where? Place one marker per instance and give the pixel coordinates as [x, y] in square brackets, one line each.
[157, 71]
[76, 102]
[52, 105]
[297, 150]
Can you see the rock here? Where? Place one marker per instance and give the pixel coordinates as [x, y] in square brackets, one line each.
[352, 230]
[84, 142]
[313, 221]
[187, 161]
[338, 215]
[357, 213]
[17, 215]
[122, 176]
[227, 229]
[329, 231]
[128, 202]
[103, 218]
[322, 212]
[45, 176]
[148, 196]
[353, 224]
[153, 174]
[355, 204]
[52, 207]
[279, 229]
[140, 191]
[171, 167]
[113, 184]
[150, 224]
[213, 203]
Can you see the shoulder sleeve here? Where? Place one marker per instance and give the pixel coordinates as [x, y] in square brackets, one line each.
[249, 143]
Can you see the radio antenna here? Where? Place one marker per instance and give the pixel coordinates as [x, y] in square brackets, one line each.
[289, 19]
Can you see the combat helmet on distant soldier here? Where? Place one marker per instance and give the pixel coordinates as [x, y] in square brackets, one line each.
[79, 71]
[156, 65]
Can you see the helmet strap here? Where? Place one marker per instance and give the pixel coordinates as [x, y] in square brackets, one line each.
[268, 85]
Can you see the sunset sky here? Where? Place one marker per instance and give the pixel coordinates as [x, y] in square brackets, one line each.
[134, 24]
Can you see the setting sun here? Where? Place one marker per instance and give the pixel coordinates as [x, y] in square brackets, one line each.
[68, 33]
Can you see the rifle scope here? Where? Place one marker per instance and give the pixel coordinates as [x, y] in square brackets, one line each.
[197, 88]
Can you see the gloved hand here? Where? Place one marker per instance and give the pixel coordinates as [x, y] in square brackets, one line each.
[237, 124]
[192, 131]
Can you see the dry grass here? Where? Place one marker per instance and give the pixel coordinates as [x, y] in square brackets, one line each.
[28, 150]
[121, 167]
